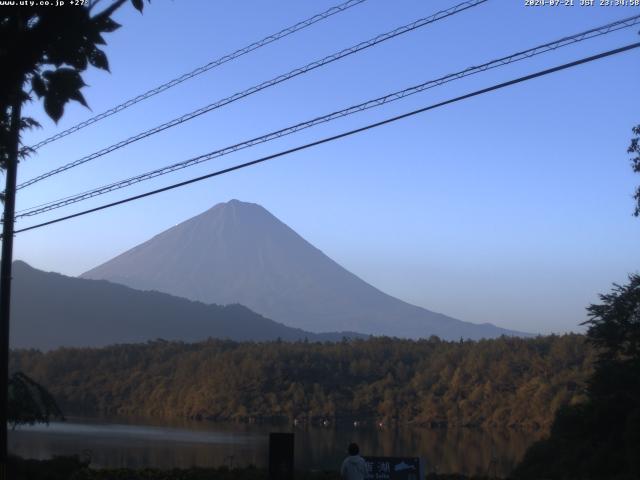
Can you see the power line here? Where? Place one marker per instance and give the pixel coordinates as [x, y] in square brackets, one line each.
[341, 135]
[550, 46]
[257, 88]
[202, 69]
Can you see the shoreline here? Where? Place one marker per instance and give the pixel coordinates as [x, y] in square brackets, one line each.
[73, 467]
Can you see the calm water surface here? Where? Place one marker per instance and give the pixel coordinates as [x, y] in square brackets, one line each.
[137, 443]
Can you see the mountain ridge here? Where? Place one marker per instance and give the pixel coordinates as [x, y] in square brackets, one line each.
[51, 310]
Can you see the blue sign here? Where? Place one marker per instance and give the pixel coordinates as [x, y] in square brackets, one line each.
[394, 468]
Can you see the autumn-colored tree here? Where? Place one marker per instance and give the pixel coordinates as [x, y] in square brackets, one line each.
[421, 382]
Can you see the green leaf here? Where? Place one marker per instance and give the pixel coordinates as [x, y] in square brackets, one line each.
[138, 5]
[99, 39]
[98, 59]
[78, 97]
[78, 60]
[64, 79]
[64, 84]
[28, 123]
[54, 107]
[105, 24]
[38, 86]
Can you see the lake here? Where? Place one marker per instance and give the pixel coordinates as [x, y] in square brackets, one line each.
[136, 443]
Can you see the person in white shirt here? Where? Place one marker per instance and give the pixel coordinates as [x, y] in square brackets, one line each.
[354, 467]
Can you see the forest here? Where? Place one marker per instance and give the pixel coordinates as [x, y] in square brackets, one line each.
[504, 382]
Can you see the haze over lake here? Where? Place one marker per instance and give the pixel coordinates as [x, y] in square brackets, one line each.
[139, 443]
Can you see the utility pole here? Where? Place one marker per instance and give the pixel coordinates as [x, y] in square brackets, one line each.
[5, 274]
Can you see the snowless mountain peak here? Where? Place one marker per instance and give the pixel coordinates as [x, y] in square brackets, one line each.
[238, 252]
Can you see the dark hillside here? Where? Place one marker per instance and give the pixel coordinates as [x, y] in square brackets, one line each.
[51, 310]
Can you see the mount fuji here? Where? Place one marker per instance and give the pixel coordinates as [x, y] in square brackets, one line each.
[238, 252]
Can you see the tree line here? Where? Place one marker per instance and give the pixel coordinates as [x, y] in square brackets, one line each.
[505, 382]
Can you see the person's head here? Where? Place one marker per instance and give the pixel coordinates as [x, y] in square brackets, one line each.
[353, 449]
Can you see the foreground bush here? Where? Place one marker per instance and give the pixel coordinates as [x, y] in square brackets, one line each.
[600, 438]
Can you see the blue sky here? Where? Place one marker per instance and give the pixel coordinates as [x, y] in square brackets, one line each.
[512, 208]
